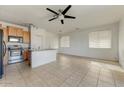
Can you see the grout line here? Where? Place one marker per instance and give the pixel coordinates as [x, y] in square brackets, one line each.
[21, 75]
[83, 77]
[37, 73]
[66, 79]
[98, 77]
[114, 78]
[5, 74]
[22, 67]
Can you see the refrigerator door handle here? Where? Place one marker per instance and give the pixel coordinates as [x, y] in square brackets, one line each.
[4, 50]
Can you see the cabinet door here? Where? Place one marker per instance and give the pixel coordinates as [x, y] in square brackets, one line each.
[11, 31]
[24, 55]
[19, 32]
[28, 55]
[26, 37]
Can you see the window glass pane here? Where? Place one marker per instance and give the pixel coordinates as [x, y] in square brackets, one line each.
[100, 39]
[65, 41]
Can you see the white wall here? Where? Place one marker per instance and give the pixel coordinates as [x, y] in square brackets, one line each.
[121, 43]
[80, 44]
[48, 39]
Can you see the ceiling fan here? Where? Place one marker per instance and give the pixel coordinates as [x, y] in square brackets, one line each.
[61, 15]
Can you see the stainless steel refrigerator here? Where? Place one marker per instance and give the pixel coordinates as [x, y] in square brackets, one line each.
[2, 52]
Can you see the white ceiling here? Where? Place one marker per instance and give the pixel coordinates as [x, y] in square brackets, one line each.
[86, 16]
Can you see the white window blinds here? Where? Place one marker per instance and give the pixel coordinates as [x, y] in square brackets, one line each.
[100, 39]
[65, 41]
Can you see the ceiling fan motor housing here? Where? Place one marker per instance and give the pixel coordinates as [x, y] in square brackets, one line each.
[61, 15]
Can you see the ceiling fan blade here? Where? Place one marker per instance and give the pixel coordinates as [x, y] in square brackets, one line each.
[52, 11]
[52, 19]
[66, 9]
[62, 21]
[67, 16]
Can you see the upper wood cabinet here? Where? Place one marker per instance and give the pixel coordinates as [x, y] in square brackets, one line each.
[26, 37]
[19, 32]
[14, 31]
[11, 31]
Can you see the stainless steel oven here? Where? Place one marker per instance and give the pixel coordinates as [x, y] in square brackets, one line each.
[15, 54]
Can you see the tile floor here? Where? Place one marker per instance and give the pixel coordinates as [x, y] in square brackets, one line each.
[67, 71]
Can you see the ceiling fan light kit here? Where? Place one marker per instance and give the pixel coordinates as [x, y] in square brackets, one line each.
[61, 15]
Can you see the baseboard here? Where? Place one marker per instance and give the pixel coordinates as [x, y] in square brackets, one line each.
[88, 57]
[120, 62]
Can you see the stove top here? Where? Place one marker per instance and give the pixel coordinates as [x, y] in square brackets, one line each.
[11, 47]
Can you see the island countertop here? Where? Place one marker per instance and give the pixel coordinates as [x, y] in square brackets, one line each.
[42, 57]
[41, 50]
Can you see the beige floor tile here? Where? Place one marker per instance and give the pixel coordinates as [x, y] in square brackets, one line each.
[74, 79]
[67, 71]
[106, 85]
[120, 85]
[87, 84]
[15, 85]
[66, 85]
[2, 85]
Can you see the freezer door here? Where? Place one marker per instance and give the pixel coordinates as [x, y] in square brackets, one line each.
[1, 53]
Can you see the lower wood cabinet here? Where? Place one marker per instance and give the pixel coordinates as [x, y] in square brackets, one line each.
[26, 56]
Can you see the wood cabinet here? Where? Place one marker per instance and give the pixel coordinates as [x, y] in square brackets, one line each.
[11, 31]
[26, 37]
[19, 32]
[29, 55]
[26, 56]
[14, 31]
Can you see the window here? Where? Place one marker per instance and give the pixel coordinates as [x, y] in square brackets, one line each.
[100, 39]
[65, 41]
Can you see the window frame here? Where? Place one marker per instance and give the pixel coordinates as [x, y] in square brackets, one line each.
[100, 47]
[61, 42]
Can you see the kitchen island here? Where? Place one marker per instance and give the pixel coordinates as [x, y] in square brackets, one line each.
[41, 57]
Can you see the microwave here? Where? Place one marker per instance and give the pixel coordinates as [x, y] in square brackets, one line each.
[15, 39]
